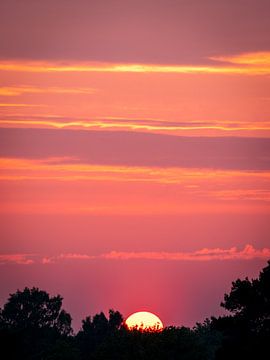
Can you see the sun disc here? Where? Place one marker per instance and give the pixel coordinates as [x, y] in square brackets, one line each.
[144, 320]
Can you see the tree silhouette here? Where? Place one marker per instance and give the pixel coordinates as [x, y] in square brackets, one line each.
[33, 325]
[246, 333]
[250, 299]
[98, 330]
[34, 308]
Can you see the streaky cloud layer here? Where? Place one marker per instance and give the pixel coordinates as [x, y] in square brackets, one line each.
[154, 126]
[244, 64]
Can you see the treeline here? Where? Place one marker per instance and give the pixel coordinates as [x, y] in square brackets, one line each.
[34, 326]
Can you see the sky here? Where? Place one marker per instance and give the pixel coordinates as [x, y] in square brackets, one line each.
[134, 152]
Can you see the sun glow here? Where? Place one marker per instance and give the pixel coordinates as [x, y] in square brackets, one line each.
[144, 321]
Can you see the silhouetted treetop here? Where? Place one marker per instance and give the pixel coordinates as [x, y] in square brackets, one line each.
[115, 319]
[100, 323]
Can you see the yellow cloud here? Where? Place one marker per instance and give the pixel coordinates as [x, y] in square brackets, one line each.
[136, 126]
[253, 58]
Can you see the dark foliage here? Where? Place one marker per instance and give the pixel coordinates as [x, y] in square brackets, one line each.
[33, 325]
[35, 309]
[246, 334]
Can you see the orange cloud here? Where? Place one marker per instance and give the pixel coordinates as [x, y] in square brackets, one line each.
[20, 105]
[252, 58]
[119, 189]
[257, 65]
[64, 168]
[19, 90]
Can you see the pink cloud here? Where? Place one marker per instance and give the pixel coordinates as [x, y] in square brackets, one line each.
[21, 259]
[68, 256]
[205, 254]
[248, 253]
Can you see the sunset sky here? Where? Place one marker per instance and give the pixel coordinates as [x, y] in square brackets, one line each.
[134, 152]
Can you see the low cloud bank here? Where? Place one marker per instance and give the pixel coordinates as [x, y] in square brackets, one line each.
[205, 254]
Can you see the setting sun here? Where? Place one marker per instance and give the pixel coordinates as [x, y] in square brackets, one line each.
[144, 320]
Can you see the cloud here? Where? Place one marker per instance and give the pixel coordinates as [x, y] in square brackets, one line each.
[142, 125]
[256, 68]
[205, 254]
[20, 90]
[252, 58]
[68, 256]
[21, 259]
[202, 182]
[21, 105]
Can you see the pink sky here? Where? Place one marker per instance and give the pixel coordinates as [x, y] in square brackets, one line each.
[135, 152]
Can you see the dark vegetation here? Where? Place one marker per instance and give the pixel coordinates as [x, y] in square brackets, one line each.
[33, 325]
